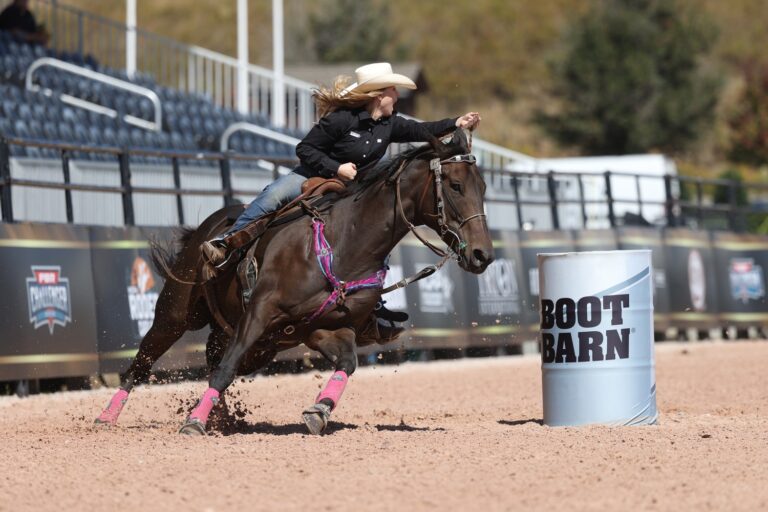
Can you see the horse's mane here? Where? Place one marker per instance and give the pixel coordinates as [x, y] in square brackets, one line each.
[387, 168]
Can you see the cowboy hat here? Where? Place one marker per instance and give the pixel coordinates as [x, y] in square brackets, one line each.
[379, 75]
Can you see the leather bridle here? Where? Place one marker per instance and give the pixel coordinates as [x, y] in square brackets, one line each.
[436, 169]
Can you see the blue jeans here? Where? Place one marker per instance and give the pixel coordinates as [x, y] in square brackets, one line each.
[277, 194]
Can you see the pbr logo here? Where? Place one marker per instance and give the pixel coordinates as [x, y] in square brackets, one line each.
[436, 293]
[48, 298]
[141, 296]
[746, 280]
[499, 294]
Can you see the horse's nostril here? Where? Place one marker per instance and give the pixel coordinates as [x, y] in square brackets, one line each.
[481, 257]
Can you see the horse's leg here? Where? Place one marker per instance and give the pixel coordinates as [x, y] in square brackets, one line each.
[171, 321]
[339, 348]
[250, 328]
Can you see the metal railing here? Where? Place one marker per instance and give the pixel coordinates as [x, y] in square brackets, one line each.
[555, 197]
[256, 130]
[156, 125]
[126, 188]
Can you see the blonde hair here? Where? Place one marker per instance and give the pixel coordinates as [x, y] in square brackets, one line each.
[329, 99]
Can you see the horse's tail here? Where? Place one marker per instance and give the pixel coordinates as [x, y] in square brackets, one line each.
[163, 259]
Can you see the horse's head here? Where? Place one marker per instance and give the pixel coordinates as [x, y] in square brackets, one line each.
[455, 208]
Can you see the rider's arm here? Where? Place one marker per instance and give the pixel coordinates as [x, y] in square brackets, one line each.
[314, 149]
[408, 130]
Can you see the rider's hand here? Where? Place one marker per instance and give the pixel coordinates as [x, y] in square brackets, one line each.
[347, 171]
[469, 121]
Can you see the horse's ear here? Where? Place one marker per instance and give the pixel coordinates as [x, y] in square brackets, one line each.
[434, 142]
[460, 139]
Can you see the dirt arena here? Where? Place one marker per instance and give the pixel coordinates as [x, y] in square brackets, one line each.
[444, 435]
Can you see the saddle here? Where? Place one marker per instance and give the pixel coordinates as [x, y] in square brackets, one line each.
[312, 190]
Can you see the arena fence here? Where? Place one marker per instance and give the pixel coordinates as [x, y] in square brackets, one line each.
[515, 200]
[78, 299]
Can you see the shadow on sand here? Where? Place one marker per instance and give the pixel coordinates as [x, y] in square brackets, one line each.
[403, 427]
[517, 423]
[263, 427]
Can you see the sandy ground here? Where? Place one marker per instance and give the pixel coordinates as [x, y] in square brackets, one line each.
[444, 435]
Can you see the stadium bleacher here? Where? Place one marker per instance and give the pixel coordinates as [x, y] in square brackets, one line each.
[191, 122]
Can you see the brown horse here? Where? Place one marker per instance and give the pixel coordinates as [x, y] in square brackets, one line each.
[437, 185]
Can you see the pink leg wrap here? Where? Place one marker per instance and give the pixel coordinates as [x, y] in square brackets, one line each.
[204, 406]
[110, 414]
[334, 389]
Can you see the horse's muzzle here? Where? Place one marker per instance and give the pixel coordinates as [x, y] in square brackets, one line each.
[479, 260]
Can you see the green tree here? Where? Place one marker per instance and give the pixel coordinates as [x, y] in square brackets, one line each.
[632, 79]
[749, 122]
[722, 193]
[350, 31]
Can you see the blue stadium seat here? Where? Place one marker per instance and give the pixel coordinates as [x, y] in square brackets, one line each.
[81, 134]
[66, 133]
[10, 108]
[95, 135]
[109, 137]
[36, 129]
[185, 124]
[20, 128]
[50, 130]
[39, 112]
[25, 111]
[18, 151]
[123, 137]
[138, 138]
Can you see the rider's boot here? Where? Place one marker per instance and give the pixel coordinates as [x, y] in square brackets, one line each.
[386, 319]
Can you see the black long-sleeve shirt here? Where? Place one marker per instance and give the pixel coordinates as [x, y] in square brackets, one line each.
[354, 136]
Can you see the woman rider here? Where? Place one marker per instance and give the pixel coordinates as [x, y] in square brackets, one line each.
[357, 123]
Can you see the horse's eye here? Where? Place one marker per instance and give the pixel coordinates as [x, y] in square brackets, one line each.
[456, 187]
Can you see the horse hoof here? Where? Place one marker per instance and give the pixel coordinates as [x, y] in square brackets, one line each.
[193, 427]
[316, 418]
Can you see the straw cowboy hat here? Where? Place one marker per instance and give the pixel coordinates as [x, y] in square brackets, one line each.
[379, 75]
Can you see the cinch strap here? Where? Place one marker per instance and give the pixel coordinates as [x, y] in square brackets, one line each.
[341, 288]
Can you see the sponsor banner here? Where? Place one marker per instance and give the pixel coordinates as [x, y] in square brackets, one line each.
[741, 262]
[497, 298]
[127, 289]
[631, 238]
[533, 243]
[436, 304]
[691, 279]
[47, 320]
